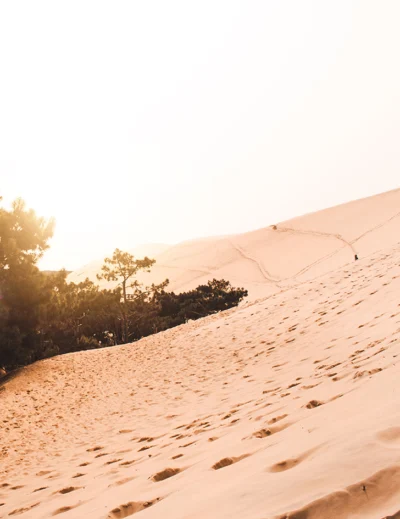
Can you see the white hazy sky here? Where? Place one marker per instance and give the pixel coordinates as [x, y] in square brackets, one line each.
[157, 121]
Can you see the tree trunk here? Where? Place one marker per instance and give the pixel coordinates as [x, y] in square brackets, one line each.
[124, 324]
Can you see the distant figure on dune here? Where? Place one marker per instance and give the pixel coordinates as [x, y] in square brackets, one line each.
[3, 372]
[355, 257]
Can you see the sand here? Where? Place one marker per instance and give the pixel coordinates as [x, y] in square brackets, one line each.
[278, 256]
[286, 407]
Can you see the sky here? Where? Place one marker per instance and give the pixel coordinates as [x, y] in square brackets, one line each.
[138, 122]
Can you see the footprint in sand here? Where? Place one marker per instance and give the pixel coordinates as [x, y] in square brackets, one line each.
[39, 489]
[67, 490]
[101, 454]
[112, 461]
[187, 444]
[284, 465]
[145, 448]
[277, 418]
[264, 433]
[129, 509]
[360, 374]
[127, 463]
[225, 462]
[121, 482]
[44, 472]
[291, 462]
[64, 509]
[94, 449]
[177, 456]
[19, 511]
[313, 403]
[390, 436]
[165, 474]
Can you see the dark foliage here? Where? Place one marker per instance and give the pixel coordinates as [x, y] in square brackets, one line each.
[42, 315]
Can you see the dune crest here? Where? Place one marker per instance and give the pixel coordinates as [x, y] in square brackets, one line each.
[278, 256]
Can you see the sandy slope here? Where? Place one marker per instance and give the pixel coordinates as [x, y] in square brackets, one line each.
[268, 259]
[287, 407]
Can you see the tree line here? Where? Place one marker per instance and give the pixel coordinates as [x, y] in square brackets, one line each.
[42, 314]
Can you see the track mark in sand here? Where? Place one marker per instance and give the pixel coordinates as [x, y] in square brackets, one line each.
[165, 474]
[79, 475]
[101, 454]
[390, 436]
[266, 275]
[313, 403]
[127, 463]
[225, 462]
[264, 433]
[360, 374]
[337, 236]
[53, 476]
[318, 234]
[178, 436]
[19, 511]
[145, 439]
[187, 444]
[131, 508]
[39, 489]
[44, 472]
[284, 465]
[310, 386]
[376, 227]
[277, 418]
[67, 490]
[64, 509]
[94, 449]
[336, 397]
[145, 448]
[291, 462]
[112, 461]
[121, 482]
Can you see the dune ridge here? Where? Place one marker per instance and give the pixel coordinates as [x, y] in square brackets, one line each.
[269, 259]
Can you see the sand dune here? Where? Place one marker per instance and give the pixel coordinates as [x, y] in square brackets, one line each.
[266, 260]
[286, 407]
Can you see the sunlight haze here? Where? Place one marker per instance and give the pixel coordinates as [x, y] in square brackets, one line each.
[156, 122]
